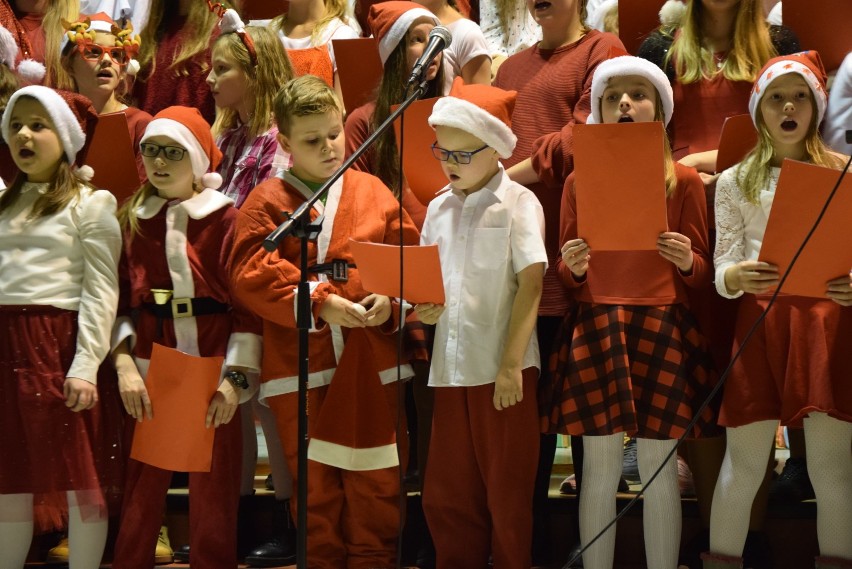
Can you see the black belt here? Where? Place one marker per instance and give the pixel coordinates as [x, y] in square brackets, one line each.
[186, 307]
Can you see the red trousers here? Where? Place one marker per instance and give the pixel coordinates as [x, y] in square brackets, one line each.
[353, 516]
[480, 476]
[213, 501]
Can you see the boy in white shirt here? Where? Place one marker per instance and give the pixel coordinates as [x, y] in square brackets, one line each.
[490, 234]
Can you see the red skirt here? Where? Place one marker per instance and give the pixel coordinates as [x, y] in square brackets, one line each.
[798, 361]
[643, 370]
[45, 448]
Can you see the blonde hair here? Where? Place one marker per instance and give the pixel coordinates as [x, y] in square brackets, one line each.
[751, 46]
[304, 96]
[57, 76]
[333, 9]
[64, 188]
[262, 80]
[128, 218]
[610, 20]
[200, 20]
[753, 173]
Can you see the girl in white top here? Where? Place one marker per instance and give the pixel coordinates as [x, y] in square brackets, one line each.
[468, 55]
[796, 367]
[306, 29]
[59, 249]
[508, 27]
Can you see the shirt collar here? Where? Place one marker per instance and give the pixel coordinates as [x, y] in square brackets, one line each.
[495, 186]
[198, 206]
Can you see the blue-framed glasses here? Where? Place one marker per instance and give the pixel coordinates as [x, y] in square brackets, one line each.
[458, 156]
[173, 153]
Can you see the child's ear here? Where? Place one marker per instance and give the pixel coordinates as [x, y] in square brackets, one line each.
[283, 142]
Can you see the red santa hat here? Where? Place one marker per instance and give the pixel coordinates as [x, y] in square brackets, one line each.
[187, 127]
[355, 429]
[807, 64]
[73, 116]
[630, 65]
[481, 110]
[389, 22]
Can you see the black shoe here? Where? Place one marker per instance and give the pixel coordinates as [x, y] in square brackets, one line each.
[757, 553]
[181, 554]
[272, 554]
[793, 484]
[630, 463]
[577, 563]
[690, 554]
[268, 483]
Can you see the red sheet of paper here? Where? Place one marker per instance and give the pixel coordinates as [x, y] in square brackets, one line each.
[737, 139]
[180, 387]
[359, 69]
[822, 25]
[800, 195]
[620, 185]
[422, 171]
[112, 158]
[378, 267]
[637, 19]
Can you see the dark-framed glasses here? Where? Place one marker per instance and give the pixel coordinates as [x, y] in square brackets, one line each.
[173, 153]
[94, 52]
[458, 156]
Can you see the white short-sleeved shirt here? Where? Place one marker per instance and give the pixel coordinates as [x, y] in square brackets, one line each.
[68, 260]
[336, 29]
[484, 240]
[468, 43]
[523, 30]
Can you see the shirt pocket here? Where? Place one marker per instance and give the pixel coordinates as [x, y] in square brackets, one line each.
[489, 258]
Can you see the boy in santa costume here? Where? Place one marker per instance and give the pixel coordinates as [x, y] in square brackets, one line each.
[353, 473]
[485, 361]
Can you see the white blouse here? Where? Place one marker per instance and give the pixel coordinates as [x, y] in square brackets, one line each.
[523, 30]
[68, 260]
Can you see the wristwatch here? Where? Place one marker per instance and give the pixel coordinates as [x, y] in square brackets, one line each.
[237, 379]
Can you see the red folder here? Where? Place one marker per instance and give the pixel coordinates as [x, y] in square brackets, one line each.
[422, 171]
[801, 192]
[180, 387]
[620, 185]
[822, 25]
[737, 139]
[378, 267]
[262, 9]
[112, 158]
[359, 69]
[637, 19]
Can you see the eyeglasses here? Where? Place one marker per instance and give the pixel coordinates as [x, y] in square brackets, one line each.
[459, 156]
[95, 52]
[173, 153]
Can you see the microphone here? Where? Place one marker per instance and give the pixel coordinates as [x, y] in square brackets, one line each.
[439, 40]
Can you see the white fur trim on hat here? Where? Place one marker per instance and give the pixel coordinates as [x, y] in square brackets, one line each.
[783, 67]
[400, 27]
[8, 48]
[597, 15]
[184, 137]
[630, 65]
[64, 120]
[464, 115]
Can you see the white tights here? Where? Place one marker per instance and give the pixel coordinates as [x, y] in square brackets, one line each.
[602, 458]
[86, 538]
[829, 467]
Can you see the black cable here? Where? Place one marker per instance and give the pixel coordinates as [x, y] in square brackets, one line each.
[724, 375]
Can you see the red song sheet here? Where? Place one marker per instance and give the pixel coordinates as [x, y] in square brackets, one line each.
[378, 267]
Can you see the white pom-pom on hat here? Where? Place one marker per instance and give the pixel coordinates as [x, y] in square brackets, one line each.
[85, 172]
[231, 22]
[132, 68]
[31, 71]
[672, 13]
[212, 180]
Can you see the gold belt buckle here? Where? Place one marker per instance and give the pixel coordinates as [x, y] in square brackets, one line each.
[181, 307]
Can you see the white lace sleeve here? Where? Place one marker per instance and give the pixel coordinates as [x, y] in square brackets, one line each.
[730, 229]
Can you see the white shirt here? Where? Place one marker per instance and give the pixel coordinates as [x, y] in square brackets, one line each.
[523, 30]
[468, 43]
[484, 240]
[68, 260]
[336, 29]
[740, 224]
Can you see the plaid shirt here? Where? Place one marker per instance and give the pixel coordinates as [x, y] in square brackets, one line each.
[248, 162]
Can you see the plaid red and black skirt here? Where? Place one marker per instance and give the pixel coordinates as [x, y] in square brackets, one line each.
[45, 448]
[643, 370]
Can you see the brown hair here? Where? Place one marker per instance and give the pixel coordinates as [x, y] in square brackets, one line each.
[273, 68]
[304, 96]
[64, 188]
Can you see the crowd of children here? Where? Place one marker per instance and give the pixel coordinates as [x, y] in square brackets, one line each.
[543, 330]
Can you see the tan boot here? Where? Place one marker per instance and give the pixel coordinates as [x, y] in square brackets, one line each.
[163, 554]
[716, 561]
[832, 563]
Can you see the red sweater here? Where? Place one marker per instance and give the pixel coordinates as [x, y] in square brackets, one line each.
[643, 277]
[554, 90]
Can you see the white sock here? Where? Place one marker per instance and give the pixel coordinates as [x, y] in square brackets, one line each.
[661, 515]
[602, 458]
[743, 470]
[86, 537]
[16, 529]
[830, 468]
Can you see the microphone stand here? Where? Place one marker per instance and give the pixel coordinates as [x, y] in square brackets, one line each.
[298, 224]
